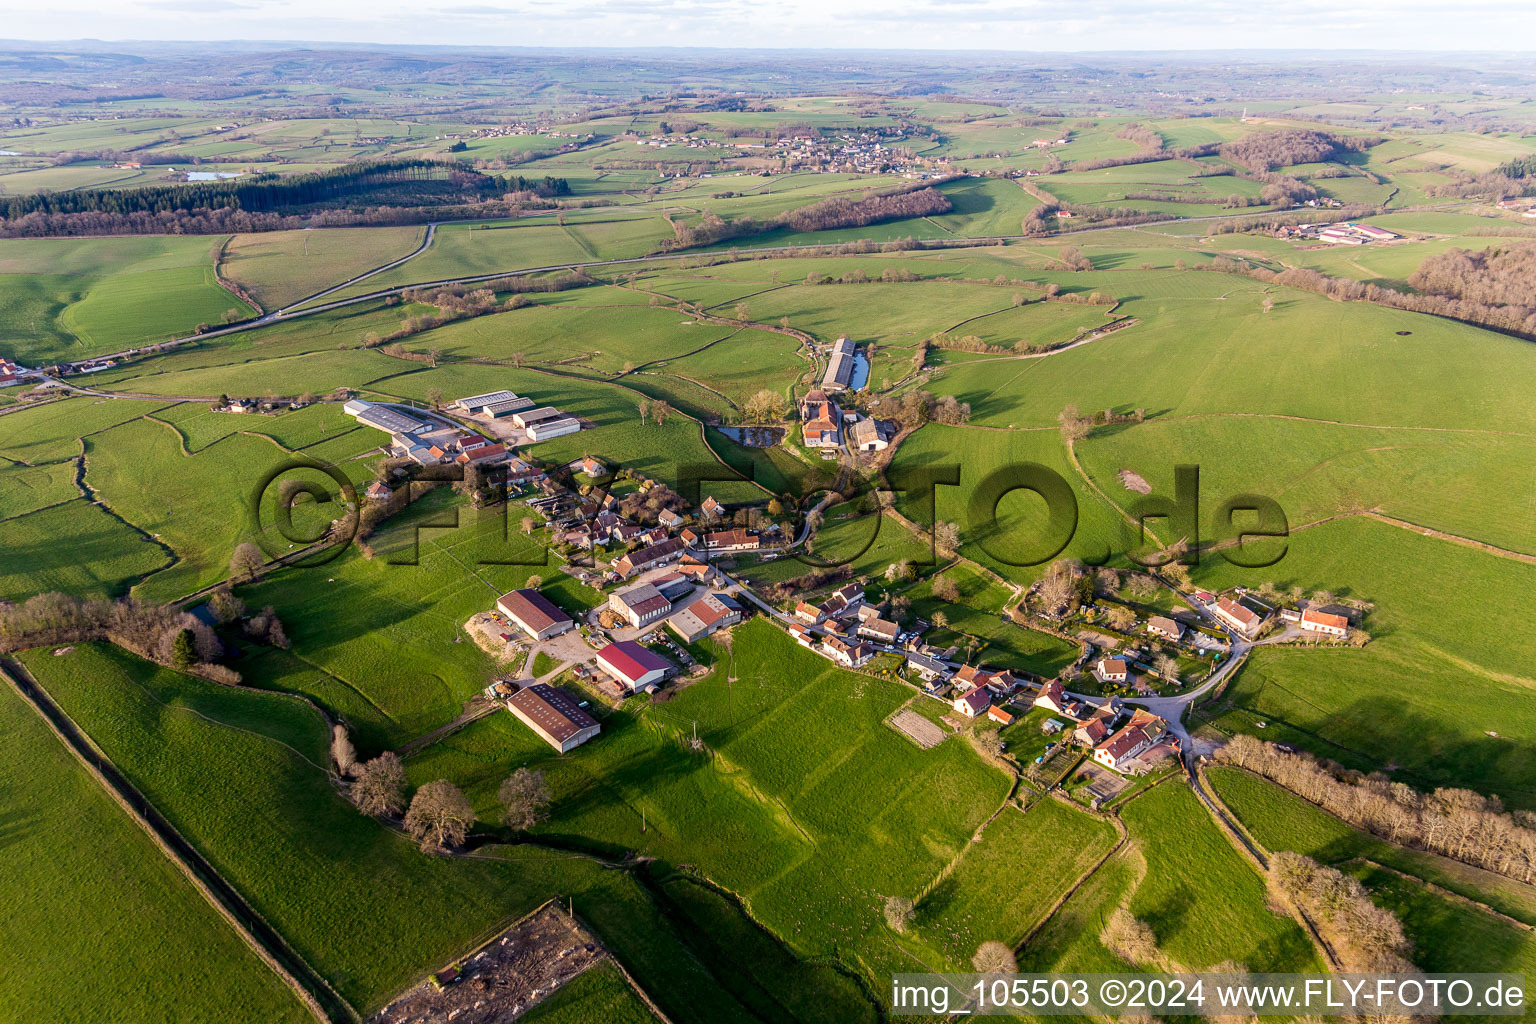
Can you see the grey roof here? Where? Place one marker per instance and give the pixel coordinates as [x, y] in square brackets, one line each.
[386, 419]
[839, 365]
[547, 412]
[927, 664]
[509, 405]
[490, 398]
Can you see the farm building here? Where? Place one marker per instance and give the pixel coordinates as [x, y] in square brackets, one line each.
[634, 665]
[704, 616]
[821, 420]
[381, 417]
[546, 429]
[869, 435]
[1324, 622]
[640, 604]
[484, 403]
[534, 614]
[840, 363]
[528, 417]
[554, 716]
[482, 455]
[649, 557]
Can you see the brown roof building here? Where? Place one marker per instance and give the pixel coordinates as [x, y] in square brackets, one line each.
[552, 714]
[534, 614]
[648, 557]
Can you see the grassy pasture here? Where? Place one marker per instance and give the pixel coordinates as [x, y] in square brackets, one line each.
[987, 899]
[1204, 901]
[24, 489]
[1019, 527]
[1281, 820]
[280, 267]
[238, 774]
[1449, 935]
[68, 298]
[377, 639]
[1453, 481]
[102, 558]
[115, 906]
[1432, 696]
[811, 817]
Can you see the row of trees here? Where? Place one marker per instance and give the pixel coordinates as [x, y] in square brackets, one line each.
[438, 815]
[1456, 823]
[1519, 320]
[271, 193]
[1364, 936]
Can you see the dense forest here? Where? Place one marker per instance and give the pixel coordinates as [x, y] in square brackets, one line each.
[422, 182]
[1265, 151]
[826, 215]
[1498, 276]
[838, 212]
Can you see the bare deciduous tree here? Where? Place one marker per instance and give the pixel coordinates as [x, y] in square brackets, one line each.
[1131, 940]
[440, 816]
[342, 751]
[899, 913]
[994, 958]
[525, 797]
[379, 786]
[247, 562]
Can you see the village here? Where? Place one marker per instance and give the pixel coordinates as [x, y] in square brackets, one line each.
[668, 578]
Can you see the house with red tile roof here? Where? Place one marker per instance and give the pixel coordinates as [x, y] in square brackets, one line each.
[1324, 622]
[974, 703]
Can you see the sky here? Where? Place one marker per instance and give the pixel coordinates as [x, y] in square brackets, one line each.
[1026, 25]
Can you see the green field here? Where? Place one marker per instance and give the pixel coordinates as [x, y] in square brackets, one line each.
[94, 894]
[598, 995]
[1281, 820]
[1204, 901]
[732, 840]
[280, 267]
[65, 299]
[239, 775]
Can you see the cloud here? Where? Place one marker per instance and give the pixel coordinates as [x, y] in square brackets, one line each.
[197, 6]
